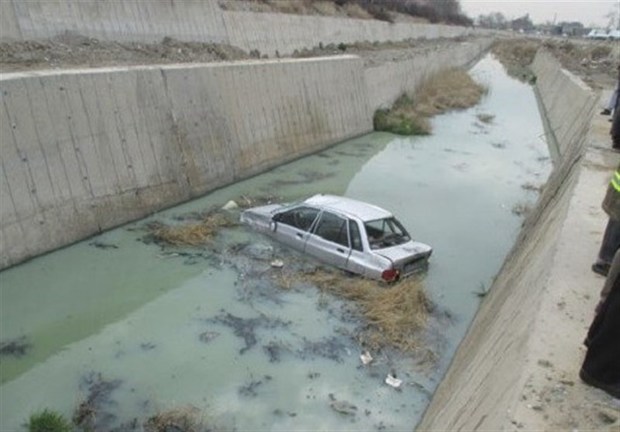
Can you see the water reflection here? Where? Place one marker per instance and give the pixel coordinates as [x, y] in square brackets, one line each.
[203, 328]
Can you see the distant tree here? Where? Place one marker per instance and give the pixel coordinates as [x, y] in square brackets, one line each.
[613, 19]
[494, 20]
[523, 23]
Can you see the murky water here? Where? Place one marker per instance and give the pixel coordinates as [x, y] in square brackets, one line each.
[139, 330]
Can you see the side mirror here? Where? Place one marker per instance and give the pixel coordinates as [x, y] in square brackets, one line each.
[273, 225]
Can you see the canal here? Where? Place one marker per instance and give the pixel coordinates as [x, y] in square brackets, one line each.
[136, 329]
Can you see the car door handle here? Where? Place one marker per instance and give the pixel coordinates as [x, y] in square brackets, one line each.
[340, 250]
[300, 235]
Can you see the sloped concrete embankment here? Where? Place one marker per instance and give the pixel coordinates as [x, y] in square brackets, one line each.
[486, 379]
[204, 21]
[86, 150]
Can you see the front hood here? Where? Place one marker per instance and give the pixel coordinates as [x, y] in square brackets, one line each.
[405, 252]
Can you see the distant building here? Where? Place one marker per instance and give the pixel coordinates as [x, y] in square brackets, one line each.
[572, 29]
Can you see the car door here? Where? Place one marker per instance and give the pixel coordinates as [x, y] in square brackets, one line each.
[292, 226]
[329, 240]
[358, 261]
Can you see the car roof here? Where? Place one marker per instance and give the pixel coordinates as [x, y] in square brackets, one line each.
[348, 206]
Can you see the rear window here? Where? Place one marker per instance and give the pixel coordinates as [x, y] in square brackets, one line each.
[386, 232]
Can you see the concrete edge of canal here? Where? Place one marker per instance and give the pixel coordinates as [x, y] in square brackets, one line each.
[524, 347]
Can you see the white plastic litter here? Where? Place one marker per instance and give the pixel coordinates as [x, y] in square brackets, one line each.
[393, 381]
[277, 263]
[366, 357]
[230, 205]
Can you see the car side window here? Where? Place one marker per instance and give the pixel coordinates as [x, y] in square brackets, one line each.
[354, 235]
[298, 217]
[333, 228]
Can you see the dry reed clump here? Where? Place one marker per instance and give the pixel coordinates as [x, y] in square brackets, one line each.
[185, 419]
[448, 90]
[191, 234]
[516, 55]
[515, 52]
[395, 314]
[402, 119]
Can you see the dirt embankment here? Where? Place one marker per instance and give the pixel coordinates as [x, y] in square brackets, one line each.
[594, 62]
[76, 51]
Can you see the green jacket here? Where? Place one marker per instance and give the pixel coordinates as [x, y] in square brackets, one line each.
[611, 203]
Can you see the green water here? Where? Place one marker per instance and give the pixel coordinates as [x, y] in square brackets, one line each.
[156, 327]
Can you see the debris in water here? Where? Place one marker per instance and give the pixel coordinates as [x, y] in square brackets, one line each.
[188, 234]
[15, 348]
[208, 336]
[94, 412]
[230, 205]
[391, 380]
[366, 357]
[147, 346]
[185, 419]
[246, 327]
[102, 245]
[329, 348]
[273, 351]
[277, 263]
[247, 202]
[342, 407]
[249, 389]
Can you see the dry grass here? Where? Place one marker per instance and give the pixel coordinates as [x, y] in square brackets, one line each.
[593, 61]
[395, 314]
[185, 419]
[190, 234]
[448, 90]
[451, 89]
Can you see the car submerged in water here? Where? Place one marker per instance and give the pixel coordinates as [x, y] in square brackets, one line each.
[355, 236]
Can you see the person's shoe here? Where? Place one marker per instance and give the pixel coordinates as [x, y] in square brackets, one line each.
[606, 112]
[610, 389]
[601, 268]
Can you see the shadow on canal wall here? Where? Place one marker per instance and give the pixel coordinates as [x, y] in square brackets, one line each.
[486, 376]
[87, 150]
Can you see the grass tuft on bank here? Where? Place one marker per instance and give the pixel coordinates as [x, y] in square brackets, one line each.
[451, 89]
[48, 421]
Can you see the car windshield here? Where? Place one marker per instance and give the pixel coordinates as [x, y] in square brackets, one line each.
[383, 233]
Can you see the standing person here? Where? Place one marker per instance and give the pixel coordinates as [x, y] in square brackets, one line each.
[611, 237]
[601, 366]
[615, 125]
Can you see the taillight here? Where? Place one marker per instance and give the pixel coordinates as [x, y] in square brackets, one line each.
[390, 275]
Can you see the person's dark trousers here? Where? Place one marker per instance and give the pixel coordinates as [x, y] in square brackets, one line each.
[611, 241]
[615, 128]
[601, 367]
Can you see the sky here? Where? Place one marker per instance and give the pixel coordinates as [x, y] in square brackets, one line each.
[585, 11]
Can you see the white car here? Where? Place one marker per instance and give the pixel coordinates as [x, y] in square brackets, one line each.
[352, 235]
[599, 34]
[614, 35]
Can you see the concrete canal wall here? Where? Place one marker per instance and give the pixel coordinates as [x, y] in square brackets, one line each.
[489, 382]
[150, 21]
[86, 150]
